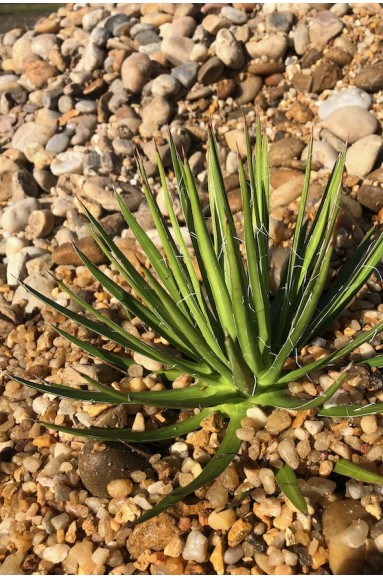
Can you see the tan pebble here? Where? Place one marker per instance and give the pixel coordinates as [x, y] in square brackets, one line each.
[43, 441]
[222, 520]
[216, 558]
[239, 531]
[369, 424]
[120, 488]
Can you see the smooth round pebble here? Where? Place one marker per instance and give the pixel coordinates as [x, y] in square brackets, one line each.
[351, 123]
[120, 488]
[165, 85]
[363, 154]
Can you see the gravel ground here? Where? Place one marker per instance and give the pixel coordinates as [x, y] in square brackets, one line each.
[78, 93]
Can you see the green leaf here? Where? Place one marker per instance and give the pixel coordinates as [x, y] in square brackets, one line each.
[197, 395]
[115, 333]
[107, 396]
[127, 435]
[347, 468]
[289, 485]
[218, 463]
[376, 361]
[116, 359]
[352, 410]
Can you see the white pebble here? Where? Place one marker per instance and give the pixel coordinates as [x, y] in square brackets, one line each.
[270, 507]
[56, 553]
[100, 556]
[233, 555]
[322, 486]
[268, 480]
[195, 547]
[288, 453]
[31, 464]
[313, 426]
[355, 535]
[180, 448]
[160, 488]
[257, 415]
[60, 521]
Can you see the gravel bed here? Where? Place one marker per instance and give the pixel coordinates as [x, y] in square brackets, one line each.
[78, 94]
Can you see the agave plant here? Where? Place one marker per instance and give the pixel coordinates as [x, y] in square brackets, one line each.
[232, 336]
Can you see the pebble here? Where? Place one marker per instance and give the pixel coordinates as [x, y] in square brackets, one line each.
[286, 193]
[324, 26]
[278, 421]
[66, 255]
[210, 71]
[288, 453]
[177, 49]
[247, 90]
[322, 153]
[196, 546]
[283, 151]
[155, 114]
[272, 47]
[154, 534]
[120, 488]
[71, 162]
[363, 154]
[186, 73]
[103, 462]
[351, 123]
[356, 534]
[222, 519]
[32, 134]
[351, 96]
[40, 224]
[370, 78]
[235, 15]
[56, 553]
[183, 26]
[369, 424]
[61, 521]
[371, 197]
[233, 555]
[58, 143]
[229, 50]
[325, 76]
[135, 71]
[165, 85]
[15, 217]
